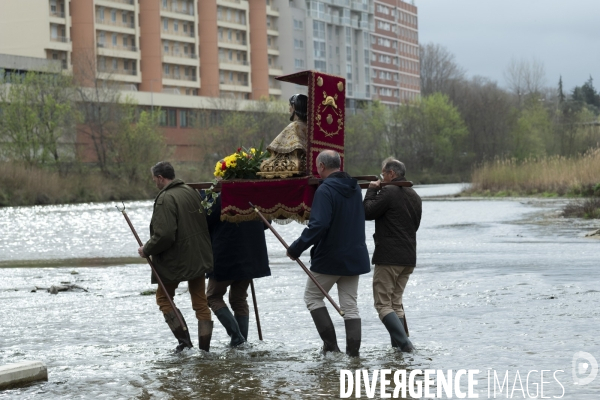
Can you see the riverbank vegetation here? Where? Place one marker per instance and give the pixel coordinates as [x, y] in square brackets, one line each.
[546, 176]
[40, 116]
[526, 138]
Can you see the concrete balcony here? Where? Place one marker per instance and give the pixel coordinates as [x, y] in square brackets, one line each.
[120, 4]
[57, 14]
[115, 26]
[179, 35]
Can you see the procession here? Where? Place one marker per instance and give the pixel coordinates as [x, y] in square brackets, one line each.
[292, 199]
[189, 242]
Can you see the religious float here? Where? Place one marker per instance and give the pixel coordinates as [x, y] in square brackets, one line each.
[288, 178]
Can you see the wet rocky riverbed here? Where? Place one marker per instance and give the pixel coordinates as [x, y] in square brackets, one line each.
[506, 285]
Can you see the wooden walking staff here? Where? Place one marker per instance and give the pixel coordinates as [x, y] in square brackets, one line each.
[160, 283]
[310, 275]
[256, 310]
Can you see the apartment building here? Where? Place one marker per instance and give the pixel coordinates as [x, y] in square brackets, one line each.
[153, 45]
[395, 52]
[373, 43]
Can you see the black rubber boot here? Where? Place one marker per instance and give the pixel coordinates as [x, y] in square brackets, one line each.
[326, 329]
[205, 329]
[353, 336]
[243, 321]
[395, 327]
[227, 319]
[182, 335]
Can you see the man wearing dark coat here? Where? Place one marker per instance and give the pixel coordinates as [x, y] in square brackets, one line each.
[181, 251]
[336, 230]
[240, 255]
[397, 214]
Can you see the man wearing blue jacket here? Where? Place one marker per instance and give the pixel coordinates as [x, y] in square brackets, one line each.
[336, 230]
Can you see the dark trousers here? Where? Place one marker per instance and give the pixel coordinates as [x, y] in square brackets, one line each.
[238, 293]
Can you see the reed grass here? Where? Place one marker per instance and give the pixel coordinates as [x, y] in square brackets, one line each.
[22, 185]
[547, 176]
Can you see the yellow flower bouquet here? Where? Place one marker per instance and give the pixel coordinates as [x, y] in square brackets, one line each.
[243, 164]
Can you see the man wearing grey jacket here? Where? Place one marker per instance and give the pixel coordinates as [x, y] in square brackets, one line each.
[397, 214]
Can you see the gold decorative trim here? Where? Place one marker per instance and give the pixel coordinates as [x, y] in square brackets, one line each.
[340, 86]
[328, 144]
[275, 212]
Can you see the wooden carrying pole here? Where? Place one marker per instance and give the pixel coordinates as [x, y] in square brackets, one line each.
[256, 310]
[310, 275]
[160, 283]
[312, 181]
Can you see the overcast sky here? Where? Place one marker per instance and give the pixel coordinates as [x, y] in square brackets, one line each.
[485, 34]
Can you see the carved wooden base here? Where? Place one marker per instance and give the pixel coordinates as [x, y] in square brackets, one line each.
[284, 165]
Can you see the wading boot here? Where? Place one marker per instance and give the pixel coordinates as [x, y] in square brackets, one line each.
[243, 321]
[205, 329]
[353, 336]
[326, 329]
[395, 327]
[227, 319]
[183, 336]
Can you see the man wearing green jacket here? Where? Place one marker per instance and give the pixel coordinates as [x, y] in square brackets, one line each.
[181, 250]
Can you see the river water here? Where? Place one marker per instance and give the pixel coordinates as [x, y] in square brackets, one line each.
[501, 286]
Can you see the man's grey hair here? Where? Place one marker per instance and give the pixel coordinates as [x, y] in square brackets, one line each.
[391, 164]
[330, 159]
[164, 169]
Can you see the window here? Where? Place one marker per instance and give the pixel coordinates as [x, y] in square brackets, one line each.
[53, 6]
[165, 24]
[166, 46]
[125, 41]
[166, 69]
[115, 64]
[349, 72]
[163, 116]
[319, 49]
[164, 3]
[172, 117]
[176, 48]
[299, 63]
[183, 118]
[113, 15]
[321, 65]
[176, 26]
[319, 29]
[124, 17]
[298, 44]
[298, 25]
[114, 39]
[176, 73]
[54, 31]
[101, 13]
[101, 38]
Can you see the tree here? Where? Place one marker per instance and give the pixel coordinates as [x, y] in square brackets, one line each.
[587, 94]
[489, 114]
[364, 138]
[532, 133]
[438, 69]
[525, 78]
[443, 124]
[37, 114]
[98, 99]
[137, 140]
[561, 94]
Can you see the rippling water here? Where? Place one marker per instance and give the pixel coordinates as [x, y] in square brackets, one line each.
[500, 284]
